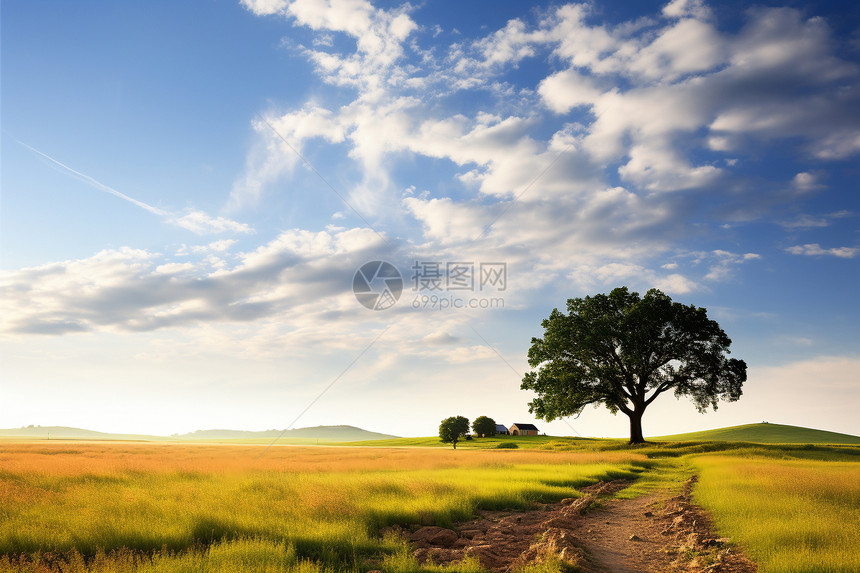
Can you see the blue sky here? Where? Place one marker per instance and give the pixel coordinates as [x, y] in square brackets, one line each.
[188, 190]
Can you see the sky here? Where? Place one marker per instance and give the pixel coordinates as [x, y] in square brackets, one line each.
[192, 192]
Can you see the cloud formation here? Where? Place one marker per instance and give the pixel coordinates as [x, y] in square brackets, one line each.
[136, 290]
[627, 143]
[651, 115]
[814, 249]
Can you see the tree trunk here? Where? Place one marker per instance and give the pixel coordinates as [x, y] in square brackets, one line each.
[455, 443]
[636, 428]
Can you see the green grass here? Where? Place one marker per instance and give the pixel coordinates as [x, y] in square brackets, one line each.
[98, 507]
[522, 442]
[529, 442]
[793, 516]
[172, 508]
[748, 434]
[766, 434]
[324, 515]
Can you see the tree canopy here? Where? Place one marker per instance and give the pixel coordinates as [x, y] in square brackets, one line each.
[451, 429]
[484, 426]
[622, 351]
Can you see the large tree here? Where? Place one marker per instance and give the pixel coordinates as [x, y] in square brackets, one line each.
[484, 426]
[452, 429]
[621, 350]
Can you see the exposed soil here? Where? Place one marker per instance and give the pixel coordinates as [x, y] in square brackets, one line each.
[655, 533]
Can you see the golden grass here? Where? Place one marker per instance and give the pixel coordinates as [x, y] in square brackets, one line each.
[134, 507]
[176, 504]
[791, 515]
[76, 458]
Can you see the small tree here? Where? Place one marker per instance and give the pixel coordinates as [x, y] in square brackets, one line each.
[484, 426]
[451, 429]
[622, 351]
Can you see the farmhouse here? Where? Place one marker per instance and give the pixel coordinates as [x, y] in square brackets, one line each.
[500, 429]
[523, 430]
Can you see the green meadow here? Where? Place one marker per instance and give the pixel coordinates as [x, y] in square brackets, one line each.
[105, 507]
[766, 433]
[791, 515]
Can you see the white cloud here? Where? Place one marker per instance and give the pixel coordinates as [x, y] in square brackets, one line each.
[687, 8]
[309, 122]
[509, 45]
[555, 231]
[266, 7]
[676, 284]
[174, 268]
[583, 45]
[814, 249]
[688, 90]
[136, 290]
[688, 77]
[568, 89]
[726, 262]
[660, 168]
[440, 337]
[469, 354]
[267, 161]
[217, 246]
[446, 221]
[804, 182]
[638, 277]
[686, 47]
[202, 224]
[662, 94]
[806, 221]
[379, 36]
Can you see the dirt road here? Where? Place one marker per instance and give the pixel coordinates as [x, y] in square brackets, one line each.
[656, 533]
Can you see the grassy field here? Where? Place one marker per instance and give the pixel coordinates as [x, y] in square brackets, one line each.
[167, 508]
[530, 442]
[791, 515]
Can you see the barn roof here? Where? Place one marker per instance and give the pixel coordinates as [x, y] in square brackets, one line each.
[526, 427]
[500, 427]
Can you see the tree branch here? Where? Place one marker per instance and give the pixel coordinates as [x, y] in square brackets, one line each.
[659, 390]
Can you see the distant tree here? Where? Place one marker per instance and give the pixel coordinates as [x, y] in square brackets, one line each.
[484, 426]
[452, 429]
[622, 351]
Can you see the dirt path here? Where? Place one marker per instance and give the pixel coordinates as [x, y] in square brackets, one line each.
[620, 536]
[656, 533]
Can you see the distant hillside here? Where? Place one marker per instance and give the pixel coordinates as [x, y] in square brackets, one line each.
[322, 433]
[766, 434]
[325, 433]
[66, 433]
[227, 435]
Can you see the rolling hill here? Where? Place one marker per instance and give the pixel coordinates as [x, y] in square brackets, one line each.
[764, 433]
[67, 433]
[321, 433]
[324, 433]
[761, 433]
